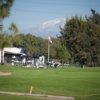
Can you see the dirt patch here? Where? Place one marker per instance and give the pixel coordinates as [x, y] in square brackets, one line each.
[40, 96]
[56, 98]
[5, 73]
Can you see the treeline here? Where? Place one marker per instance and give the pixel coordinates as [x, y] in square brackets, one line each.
[35, 46]
[79, 42]
[82, 39]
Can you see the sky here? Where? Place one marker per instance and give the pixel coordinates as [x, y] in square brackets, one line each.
[32, 13]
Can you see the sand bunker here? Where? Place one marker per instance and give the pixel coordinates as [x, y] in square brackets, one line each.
[5, 73]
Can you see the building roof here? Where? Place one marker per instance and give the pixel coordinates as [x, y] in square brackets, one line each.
[13, 50]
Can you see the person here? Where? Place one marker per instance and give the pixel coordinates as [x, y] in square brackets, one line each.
[55, 65]
[24, 61]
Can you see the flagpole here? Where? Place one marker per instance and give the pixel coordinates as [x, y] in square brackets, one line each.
[48, 51]
[49, 43]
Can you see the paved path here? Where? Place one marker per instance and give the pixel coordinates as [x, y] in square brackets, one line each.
[41, 96]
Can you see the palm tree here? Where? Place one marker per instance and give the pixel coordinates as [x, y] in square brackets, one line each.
[5, 7]
[14, 29]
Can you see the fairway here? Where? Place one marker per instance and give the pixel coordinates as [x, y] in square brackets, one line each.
[83, 84]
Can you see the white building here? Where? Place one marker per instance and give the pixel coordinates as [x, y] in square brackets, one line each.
[7, 54]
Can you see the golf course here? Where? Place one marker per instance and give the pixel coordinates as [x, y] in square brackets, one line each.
[80, 83]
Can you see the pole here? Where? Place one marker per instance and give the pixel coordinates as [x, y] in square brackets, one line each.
[49, 43]
[48, 51]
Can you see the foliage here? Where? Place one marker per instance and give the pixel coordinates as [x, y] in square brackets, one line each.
[95, 17]
[82, 38]
[13, 28]
[4, 41]
[63, 54]
[35, 46]
[5, 8]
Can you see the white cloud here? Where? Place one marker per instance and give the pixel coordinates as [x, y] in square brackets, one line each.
[49, 26]
[53, 23]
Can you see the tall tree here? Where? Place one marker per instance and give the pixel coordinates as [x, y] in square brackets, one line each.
[73, 38]
[82, 38]
[5, 7]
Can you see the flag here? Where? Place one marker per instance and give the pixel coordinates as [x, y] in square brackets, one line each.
[49, 39]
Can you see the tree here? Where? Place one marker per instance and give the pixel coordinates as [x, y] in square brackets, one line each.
[73, 38]
[95, 17]
[82, 38]
[5, 7]
[62, 54]
[14, 29]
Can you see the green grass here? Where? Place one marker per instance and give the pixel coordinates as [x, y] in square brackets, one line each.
[83, 84]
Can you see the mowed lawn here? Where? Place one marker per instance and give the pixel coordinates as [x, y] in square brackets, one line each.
[83, 84]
